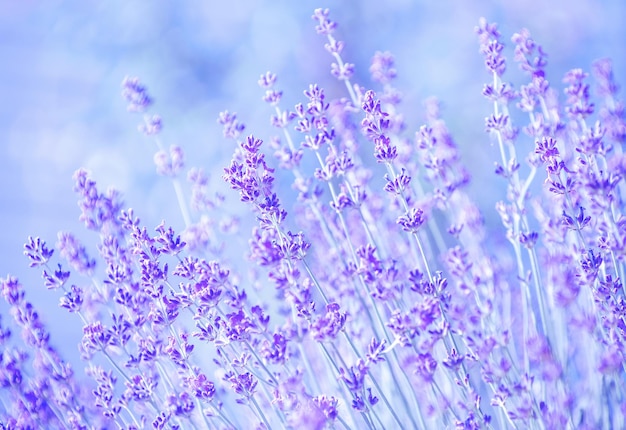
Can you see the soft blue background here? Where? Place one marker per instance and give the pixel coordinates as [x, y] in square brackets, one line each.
[62, 62]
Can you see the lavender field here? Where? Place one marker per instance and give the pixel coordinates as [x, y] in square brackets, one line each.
[313, 216]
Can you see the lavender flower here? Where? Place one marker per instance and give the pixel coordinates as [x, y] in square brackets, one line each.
[135, 94]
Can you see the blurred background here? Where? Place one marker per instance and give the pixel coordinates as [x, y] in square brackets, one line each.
[62, 63]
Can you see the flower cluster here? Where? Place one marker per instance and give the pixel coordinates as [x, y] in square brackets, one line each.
[369, 296]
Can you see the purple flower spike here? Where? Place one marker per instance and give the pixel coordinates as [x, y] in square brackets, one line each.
[424, 366]
[201, 387]
[73, 299]
[104, 393]
[135, 94]
[75, 254]
[324, 25]
[171, 244]
[334, 46]
[525, 48]
[232, 127]
[494, 60]
[152, 125]
[354, 377]
[328, 327]
[342, 71]
[272, 97]
[486, 31]
[412, 220]
[244, 385]
[382, 68]
[95, 338]
[267, 80]
[37, 252]
[294, 247]
[140, 387]
[169, 164]
[384, 151]
[160, 422]
[328, 406]
[398, 185]
[276, 350]
[376, 350]
[579, 102]
[181, 404]
[98, 210]
[603, 72]
[546, 149]
[496, 122]
[491, 47]
[12, 291]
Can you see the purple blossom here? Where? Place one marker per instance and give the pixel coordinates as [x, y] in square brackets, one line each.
[327, 327]
[547, 149]
[398, 184]
[12, 291]
[412, 220]
[161, 420]
[376, 350]
[503, 93]
[254, 178]
[454, 360]
[267, 80]
[104, 393]
[317, 104]
[578, 100]
[491, 47]
[578, 222]
[169, 164]
[275, 351]
[72, 300]
[354, 376]
[382, 68]
[170, 245]
[496, 122]
[293, 246]
[37, 252]
[334, 46]
[95, 338]
[486, 30]
[525, 48]
[324, 25]
[179, 350]
[201, 387]
[272, 97]
[239, 326]
[99, 210]
[342, 71]
[244, 385]
[181, 404]
[328, 406]
[140, 388]
[55, 279]
[135, 94]
[494, 61]
[75, 253]
[152, 125]
[232, 127]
